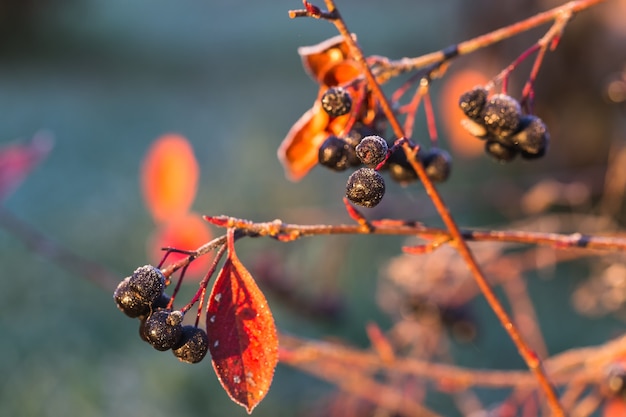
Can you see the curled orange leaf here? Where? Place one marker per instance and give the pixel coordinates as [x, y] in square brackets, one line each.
[329, 64]
[169, 177]
[317, 59]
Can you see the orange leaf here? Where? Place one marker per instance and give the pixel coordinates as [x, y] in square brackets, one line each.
[461, 141]
[187, 232]
[298, 151]
[242, 335]
[169, 177]
[317, 59]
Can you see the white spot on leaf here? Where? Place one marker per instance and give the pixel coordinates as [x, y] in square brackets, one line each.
[236, 379]
[218, 297]
[216, 344]
[212, 319]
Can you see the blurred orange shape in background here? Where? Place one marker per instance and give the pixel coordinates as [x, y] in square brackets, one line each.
[169, 177]
[460, 140]
[187, 232]
[614, 407]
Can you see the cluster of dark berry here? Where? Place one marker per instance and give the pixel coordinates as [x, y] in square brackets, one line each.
[141, 296]
[364, 146]
[500, 122]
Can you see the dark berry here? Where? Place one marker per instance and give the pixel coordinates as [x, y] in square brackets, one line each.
[336, 154]
[353, 138]
[399, 168]
[533, 139]
[472, 102]
[163, 329]
[192, 346]
[148, 282]
[365, 187]
[128, 301]
[437, 164]
[501, 115]
[336, 101]
[500, 152]
[372, 150]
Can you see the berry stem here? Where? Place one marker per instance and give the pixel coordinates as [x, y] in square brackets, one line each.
[392, 68]
[548, 40]
[205, 281]
[430, 118]
[277, 228]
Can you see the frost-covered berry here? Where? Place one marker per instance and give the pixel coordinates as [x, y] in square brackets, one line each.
[192, 346]
[501, 115]
[472, 102]
[399, 168]
[336, 154]
[163, 329]
[533, 138]
[365, 187]
[500, 152]
[128, 301]
[372, 150]
[437, 164]
[353, 138]
[148, 282]
[336, 101]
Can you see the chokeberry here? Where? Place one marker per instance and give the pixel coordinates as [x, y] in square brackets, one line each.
[163, 329]
[399, 168]
[437, 164]
[148, 282]
[472, 102]
[192, 346]
[501, 115]
[372, 150]
[353, 138]
[533, 138]
[336, 101]
[365, 187]
[500, 152]
[336, 154]
[129, 301]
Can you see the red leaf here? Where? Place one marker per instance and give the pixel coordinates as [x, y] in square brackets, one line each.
[242, 334]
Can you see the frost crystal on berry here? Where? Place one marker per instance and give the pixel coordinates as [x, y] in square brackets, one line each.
[472, 102]
[336, 101]
[533, 138]
[336, 154]
[365, 187]
[192, 346]
[372, 150]
[501, 115]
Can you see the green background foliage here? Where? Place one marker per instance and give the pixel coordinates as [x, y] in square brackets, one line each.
[107, 78]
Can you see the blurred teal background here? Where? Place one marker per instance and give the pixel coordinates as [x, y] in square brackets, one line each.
[108, 77]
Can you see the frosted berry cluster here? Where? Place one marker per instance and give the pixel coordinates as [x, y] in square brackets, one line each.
[499, 121]
[142, 296]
